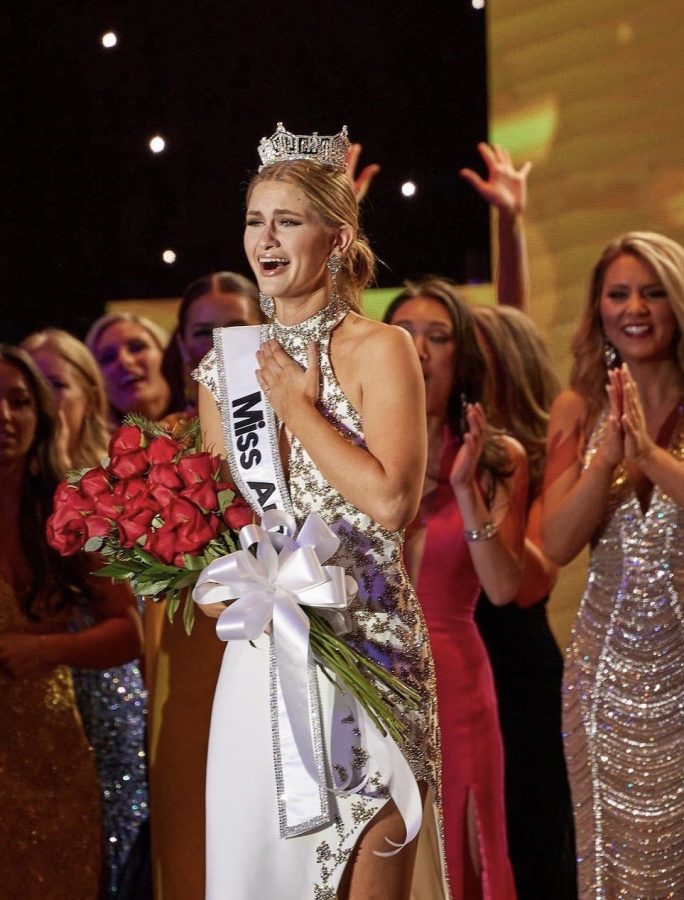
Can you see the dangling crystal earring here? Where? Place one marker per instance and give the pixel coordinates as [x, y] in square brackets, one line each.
[610, 355]
[267, 305]
[334, 265]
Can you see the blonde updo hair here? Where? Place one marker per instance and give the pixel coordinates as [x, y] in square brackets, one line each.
[331, 194]
[666, 258]
[91, 446]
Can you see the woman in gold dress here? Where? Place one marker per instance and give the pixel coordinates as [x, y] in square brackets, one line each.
[51, 819]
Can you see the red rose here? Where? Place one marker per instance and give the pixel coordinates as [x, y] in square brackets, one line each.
[162, 543]
[238, 514]
[68, 498]
[203, 494]
[166, 475]
[194, 536]
[130, 489]
[66, 531]
[126, 439]
[97, 526]
[108, 505]
[130, 464]
[94, 482]
[162, 450]
[133, 525]
[198, 467]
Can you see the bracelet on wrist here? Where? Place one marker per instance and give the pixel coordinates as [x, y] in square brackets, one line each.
[484, 533]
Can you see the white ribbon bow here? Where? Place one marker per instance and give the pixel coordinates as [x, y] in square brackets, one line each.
[271, 587]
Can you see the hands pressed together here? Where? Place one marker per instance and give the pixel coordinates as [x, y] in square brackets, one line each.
[626, 435]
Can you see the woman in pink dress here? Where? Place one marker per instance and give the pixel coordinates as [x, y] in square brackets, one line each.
[469, 534]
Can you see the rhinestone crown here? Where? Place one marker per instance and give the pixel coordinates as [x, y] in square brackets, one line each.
[283, 146]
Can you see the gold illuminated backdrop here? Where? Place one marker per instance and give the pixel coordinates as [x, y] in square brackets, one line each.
[593, 94]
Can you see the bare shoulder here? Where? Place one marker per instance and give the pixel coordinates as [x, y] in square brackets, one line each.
[569, 405]
[375, 341]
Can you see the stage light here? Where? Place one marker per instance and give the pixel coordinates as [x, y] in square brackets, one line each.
[408, 189]
[109, 39]
[169, 256]
[478, 4]
[157, 144]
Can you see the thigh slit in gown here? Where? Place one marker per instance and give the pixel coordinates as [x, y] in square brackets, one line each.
[472, 751]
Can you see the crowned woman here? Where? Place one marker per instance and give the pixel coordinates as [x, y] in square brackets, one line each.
[321, 415]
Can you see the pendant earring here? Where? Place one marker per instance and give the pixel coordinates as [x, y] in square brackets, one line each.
[267, 305]
[610, 355]
[334, 265]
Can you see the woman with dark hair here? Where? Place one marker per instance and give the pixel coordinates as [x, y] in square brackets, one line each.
[526, 661]
[186, 666]
[469, 532]
[50, 828]
[112, 702]
[218, 300]
[615, 480]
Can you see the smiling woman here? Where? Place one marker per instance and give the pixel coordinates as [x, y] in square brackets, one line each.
[129, 350]
[615, 479]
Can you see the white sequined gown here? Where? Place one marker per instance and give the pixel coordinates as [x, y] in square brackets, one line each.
[624, 700]
[246, 857]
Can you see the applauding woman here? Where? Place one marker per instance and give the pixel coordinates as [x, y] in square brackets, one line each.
[615, 479]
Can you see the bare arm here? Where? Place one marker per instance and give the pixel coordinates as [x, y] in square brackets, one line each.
[506, 189]
[498, 559]
[574, 499]
[116, 637]
[539, 573]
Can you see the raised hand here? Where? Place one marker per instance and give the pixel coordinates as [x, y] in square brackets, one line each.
[505, 186]
[464, 468]
[363, 180]
[285, 383]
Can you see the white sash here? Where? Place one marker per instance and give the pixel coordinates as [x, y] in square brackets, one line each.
[250, 431]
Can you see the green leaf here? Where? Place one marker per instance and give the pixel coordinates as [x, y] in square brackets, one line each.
[93, 544]
[225, 498]
[188, 613]
[194, 563]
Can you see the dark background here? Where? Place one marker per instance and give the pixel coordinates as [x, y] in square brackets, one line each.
[88, 209]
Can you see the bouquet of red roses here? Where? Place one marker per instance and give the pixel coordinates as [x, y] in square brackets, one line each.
[155, 509]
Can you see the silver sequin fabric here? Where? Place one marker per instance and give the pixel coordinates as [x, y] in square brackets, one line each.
[623, 697]
[112, 704]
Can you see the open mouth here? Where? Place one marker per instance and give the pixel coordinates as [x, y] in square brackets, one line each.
[128, 380]
[271, 265]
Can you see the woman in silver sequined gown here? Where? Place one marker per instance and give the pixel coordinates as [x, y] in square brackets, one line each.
[615, 479]
[350, 398]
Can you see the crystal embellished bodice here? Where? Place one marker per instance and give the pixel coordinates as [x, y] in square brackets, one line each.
[624, 698]
[388, 622]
